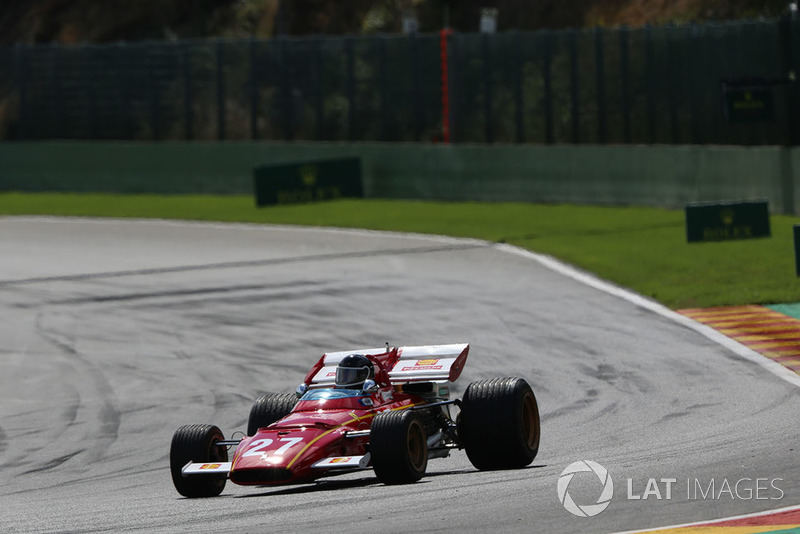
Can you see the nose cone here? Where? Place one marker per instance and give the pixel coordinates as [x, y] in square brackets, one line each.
[279, 456]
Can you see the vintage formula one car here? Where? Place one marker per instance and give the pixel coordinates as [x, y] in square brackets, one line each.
[387, 409]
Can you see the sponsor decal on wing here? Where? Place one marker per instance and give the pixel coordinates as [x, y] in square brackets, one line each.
[206, 469]
[340, 462]
[424, 365]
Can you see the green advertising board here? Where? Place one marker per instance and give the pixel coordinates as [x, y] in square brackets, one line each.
[722, 221]
[749, 103]
[309, 181]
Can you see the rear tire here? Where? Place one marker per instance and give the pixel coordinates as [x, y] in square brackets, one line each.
[499, 423]
[197, 443]
[399, 447]
[269, 408]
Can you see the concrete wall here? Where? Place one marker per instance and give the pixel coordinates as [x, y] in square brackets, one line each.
[667, 176]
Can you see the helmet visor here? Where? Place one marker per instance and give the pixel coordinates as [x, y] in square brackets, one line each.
[351, 376]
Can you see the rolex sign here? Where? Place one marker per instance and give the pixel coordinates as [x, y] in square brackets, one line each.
[723, 221]
[310, 181]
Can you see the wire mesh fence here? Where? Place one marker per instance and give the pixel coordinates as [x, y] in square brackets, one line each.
[645, 86]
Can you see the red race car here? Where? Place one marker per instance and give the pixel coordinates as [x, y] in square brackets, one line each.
[387, 409]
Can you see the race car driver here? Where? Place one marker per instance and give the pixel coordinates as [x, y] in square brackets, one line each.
[353, 371]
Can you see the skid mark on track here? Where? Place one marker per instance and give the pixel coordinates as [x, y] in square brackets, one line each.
[768, 332]
[247, 263]
[55, 462]
[179, 293]
[91, 380]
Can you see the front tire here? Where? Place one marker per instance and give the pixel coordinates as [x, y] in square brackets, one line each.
[197, 443]
[399, 447]
[499, 423]
[269, 408]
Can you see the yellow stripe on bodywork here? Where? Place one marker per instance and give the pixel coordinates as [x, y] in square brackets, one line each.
[355, 418]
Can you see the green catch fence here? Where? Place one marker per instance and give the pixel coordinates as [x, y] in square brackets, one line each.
[640, 86]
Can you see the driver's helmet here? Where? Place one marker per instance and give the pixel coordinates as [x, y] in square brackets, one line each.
[352, 371]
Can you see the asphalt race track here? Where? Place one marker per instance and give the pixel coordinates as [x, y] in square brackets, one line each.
[114, 333]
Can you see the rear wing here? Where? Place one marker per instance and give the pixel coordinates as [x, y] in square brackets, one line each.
[427, 363]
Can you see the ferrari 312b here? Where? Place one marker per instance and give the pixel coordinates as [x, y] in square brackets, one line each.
[386, 409]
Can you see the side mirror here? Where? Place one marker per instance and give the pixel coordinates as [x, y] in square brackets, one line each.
[301, 390]
[369, 386]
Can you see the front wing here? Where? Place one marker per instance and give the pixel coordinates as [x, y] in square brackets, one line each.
[332, 463]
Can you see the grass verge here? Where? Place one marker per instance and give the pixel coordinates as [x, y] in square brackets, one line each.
[644, 249]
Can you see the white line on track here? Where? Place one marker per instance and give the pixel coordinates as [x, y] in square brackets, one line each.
[643, 302]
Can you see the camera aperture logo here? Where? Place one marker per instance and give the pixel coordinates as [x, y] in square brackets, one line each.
[585, 510]
[582, 478]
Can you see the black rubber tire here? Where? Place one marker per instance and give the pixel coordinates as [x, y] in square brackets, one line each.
[269, 408]
[196, 443]
[499, 423]
[399, 447]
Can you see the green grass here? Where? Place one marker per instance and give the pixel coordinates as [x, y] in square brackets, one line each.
[641, 248]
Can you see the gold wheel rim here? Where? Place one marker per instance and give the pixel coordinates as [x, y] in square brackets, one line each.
[530, 420]
[416, 446]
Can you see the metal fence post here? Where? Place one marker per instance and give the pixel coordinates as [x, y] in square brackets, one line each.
[125, 93]
[602, 130]
[58, 97]
[418, 119]
[319, 98]
[548, 86]
[153, 86]
[697, 90]
[487, 90]
[188, 117]
[650, 85]
[220, 93]
[351, 88]
[445, 61]
[90, 96]
[574, 93]
[286, 90]
[122, 99]
[519, 102]
[382, 104]
[625, 74]
[21, 60]
[253, 90]
[453, 100]
[671, 75]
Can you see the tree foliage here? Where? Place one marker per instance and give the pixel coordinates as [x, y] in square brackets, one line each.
[76, 21]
